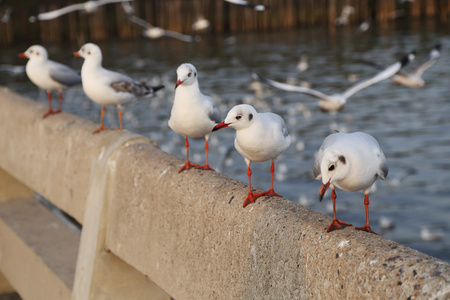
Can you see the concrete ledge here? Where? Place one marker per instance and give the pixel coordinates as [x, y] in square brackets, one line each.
[56, 154]
[188, 232]
[38, 251]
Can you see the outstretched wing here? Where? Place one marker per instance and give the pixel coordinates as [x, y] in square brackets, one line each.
[289, 87]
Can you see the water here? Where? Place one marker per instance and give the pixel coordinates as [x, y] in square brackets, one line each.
[411, 125]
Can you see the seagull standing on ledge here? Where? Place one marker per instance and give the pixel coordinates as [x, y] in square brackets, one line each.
[49, 75]
[193, 114]
[336, 102]
[106, 87]
[351, 162]
[259, 137]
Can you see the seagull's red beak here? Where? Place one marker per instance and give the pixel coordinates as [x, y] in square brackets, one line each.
[323, 189]
[220, 126]
[178, 83]
[22, 55]
[76, 54]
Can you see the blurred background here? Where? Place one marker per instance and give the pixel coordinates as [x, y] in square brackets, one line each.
[328, 45]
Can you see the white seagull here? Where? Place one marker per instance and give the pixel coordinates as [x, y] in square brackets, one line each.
[106, 87]
[351, 162]
[257, 7]
[48, 74]
[193, 114]
[336, 102]
[154, 32]
[414, 78]
[88, 7]
[259, 137]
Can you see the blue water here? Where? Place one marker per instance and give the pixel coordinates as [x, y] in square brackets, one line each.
[412, 125]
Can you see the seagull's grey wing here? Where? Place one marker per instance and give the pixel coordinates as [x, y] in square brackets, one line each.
[102, 2]
[428, 61]
[59, 12]
[289, 87]
[238, 2]
[180, 36]
[383, 169]
[63, 74]
[212, 110]
[386, 73]
[139, 21]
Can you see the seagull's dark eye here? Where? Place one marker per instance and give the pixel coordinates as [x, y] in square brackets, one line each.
[89, 52]
[189, 74]
[250, 117]
[195, 74]
[37, 53]
[238, 117]
[331, 168]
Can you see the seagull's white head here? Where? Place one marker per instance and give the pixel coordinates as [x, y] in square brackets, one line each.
[186, 75]
[90, 52]
[334, 167]
[239, 117]
[35, 52]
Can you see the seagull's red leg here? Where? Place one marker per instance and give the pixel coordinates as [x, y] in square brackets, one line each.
[336, 224]
[188, 164]
[251, 197]
[206, 166]
[366, 227]
[271, 192]
[50, 110]
[119, 112]
[101, 127]
[60, 103]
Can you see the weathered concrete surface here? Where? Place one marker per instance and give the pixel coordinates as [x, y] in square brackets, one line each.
[191, 235]
[56, 154]
[37, 251]
[188, 232]
[5, 286]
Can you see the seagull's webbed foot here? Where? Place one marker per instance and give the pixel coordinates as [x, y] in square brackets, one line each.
[251, 198]
[366, 228]
[336, 225]
[188, 165]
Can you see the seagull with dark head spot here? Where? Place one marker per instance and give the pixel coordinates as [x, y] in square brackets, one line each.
[49, 75]
[259, 137]
[414, 78]
[193, 114]
[106, 87]
[351, 162]
[336, 102]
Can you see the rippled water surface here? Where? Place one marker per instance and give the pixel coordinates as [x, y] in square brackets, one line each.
[412, 125]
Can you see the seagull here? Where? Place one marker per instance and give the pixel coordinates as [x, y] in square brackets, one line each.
[414, 79]
[201, 24]
[259, 137]
[193, 114]
[106, 87]
[88, 7]
[6, 15]
[49, 75]
[303, 63]
[350, 162]
[154, 32]
[336, 102]
[257, 7]
[347, 10]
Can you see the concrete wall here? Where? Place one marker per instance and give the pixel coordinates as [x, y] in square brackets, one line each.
[148, 230]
